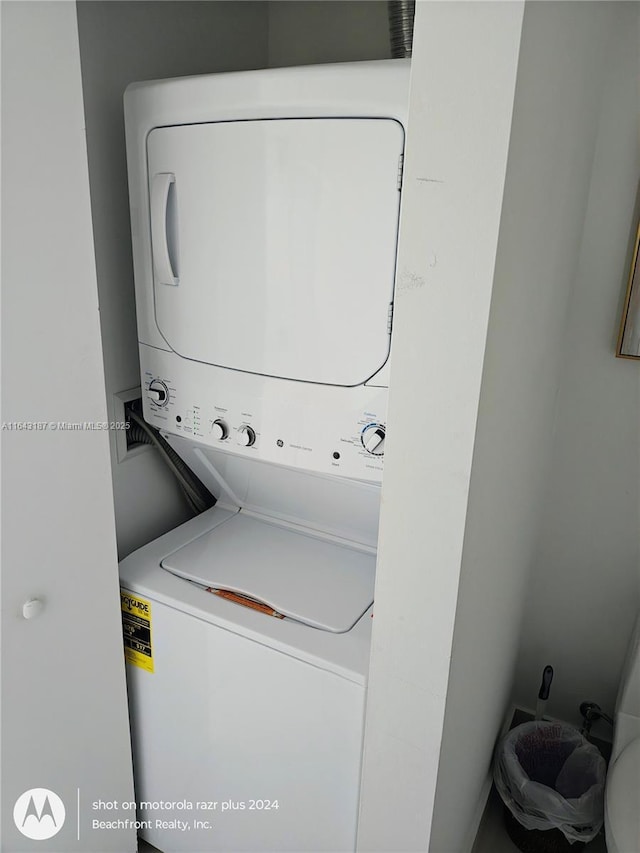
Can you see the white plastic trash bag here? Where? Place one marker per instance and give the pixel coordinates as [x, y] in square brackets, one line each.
[550, 777]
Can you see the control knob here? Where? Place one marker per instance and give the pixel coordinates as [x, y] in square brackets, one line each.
[246, 436]
[219, 429]
[372, 437]
[158, 392]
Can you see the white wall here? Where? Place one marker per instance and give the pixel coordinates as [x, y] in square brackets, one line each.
[463, 81]
[122, 42]
[64, 710]
[305, 32]
[585, 589]
[563, 63]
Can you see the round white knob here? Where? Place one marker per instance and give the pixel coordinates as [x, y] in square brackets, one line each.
[219, 429]
[246, 436]
[158, 392]
[32, 608]
[372, 438]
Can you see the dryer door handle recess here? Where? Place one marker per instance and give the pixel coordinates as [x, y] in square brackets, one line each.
[164, 236]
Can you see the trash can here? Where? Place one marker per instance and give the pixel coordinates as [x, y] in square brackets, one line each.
[551, 780]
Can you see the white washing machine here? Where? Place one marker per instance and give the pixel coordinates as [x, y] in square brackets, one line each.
[265, 210]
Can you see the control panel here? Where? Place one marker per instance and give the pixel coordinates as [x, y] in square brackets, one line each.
[319, 428]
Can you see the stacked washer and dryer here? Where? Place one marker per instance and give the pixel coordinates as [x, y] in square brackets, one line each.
[265, 208]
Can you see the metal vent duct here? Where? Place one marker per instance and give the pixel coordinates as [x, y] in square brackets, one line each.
[401, 14]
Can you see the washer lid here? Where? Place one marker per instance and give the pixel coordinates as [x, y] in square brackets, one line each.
[623, 800]
[315, 581]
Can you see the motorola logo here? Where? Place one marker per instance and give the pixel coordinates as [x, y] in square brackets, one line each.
[39, 813]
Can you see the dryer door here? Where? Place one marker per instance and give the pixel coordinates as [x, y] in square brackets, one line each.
[274, 244]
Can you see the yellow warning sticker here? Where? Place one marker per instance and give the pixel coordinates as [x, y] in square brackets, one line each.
[136, 630]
